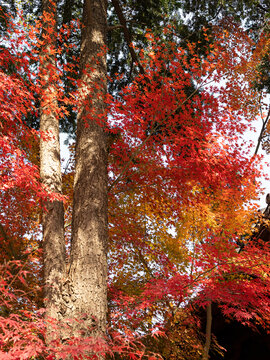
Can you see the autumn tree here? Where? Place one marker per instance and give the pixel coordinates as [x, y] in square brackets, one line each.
[80, 289]
[88, 266]
[178, 184]
[50, 167]
[211, 218]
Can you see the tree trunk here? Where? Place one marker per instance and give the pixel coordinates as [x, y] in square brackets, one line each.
[81, 291]
[88, 267]
[50, 169]
[207, 331]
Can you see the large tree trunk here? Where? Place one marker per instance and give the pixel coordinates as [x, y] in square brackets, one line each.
[88, 267]
[80, 292]
[50, 170]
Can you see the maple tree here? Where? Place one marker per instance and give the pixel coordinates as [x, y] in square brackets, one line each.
[179, 185]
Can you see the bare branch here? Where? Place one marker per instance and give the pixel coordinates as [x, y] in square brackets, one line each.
[265, 121]
[111, 28]
[127, 34]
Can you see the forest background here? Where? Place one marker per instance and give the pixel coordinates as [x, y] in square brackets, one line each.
[160, 96]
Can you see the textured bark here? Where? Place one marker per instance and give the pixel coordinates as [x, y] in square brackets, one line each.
[88, 267]
[50, 171]
[207, 332]
[81, 290]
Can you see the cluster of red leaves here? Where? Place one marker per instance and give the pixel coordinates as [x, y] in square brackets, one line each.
[16, 100]
[241, 284]
[181, 125]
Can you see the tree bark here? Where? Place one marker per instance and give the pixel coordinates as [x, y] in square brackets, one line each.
[79, 292]
[207, 331]
[88, 267]
[50, 169]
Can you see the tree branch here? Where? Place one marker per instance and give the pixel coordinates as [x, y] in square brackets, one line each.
[261, 133]
[127, 34]
[114, 27]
